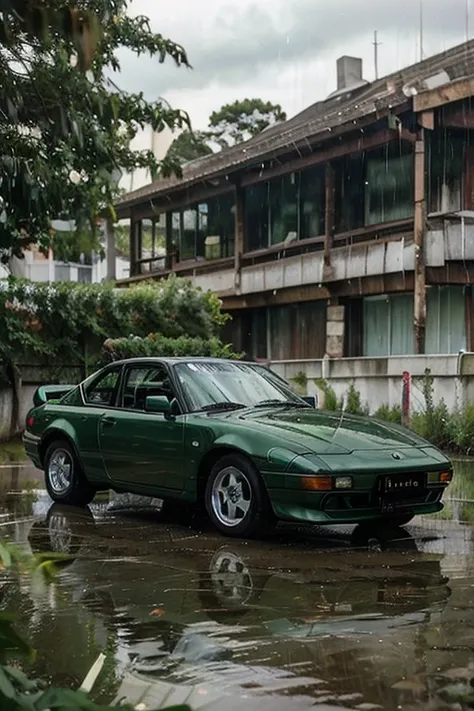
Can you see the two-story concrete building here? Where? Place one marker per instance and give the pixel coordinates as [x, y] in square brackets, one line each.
[342, 240]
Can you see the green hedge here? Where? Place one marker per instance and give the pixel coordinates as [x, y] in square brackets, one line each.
[157, 345]
[66, 324]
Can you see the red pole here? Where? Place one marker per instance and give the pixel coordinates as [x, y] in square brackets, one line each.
[406, 397]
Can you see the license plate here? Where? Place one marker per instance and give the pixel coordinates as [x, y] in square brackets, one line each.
[403, 484]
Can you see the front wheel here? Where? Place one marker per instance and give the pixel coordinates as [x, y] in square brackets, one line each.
[64, 478]
[235, 498]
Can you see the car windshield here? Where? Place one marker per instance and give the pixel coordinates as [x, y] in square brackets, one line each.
[209, 384]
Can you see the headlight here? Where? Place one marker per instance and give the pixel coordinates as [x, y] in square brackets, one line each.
[343, 482]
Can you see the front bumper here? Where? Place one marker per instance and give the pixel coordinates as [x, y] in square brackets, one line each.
[351, 506]
[31, 444]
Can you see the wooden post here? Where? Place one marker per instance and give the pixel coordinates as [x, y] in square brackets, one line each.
[419, 244]
[133, 251]
[170, 248]
[110, 250]
[239, 234]
[330, 211]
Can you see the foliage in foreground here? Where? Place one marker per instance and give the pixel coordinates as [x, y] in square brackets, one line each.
[66, 324]
[65, 132]
[451, 431]
[17, 691]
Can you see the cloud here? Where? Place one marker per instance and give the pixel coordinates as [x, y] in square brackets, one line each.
[236, 43]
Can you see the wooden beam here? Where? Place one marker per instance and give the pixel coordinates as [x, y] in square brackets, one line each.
[330, 212]
[419, 240]
[365, 286]
[426, 120]
[239, 235]
[447, 94]
[356, 145]
[149, 209]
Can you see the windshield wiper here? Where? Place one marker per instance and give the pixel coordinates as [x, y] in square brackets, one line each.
[280, 403]
[223, 406]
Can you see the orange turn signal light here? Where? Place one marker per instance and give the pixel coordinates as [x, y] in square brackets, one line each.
[316, 483]
[446, 477]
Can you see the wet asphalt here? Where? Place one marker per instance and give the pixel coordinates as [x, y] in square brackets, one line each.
[305, 617]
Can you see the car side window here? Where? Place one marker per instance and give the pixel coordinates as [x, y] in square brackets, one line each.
[142, 382]
[104, 390]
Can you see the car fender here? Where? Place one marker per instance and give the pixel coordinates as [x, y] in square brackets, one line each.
[60, 427]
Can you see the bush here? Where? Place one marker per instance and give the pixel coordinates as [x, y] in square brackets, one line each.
[354, 404]
[389, 414]
[330, 400]
[66, 324]
[156, 345]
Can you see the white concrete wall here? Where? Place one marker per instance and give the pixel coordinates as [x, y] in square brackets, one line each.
[379, 380]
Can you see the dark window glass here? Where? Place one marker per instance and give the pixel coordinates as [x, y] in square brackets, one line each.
[256, 216]
[142, 382]
[284, 208]
[312, 202]
[103, 390]
[188, 235]
[350, 179]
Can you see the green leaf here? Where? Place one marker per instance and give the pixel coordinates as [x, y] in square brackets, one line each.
[5, 556]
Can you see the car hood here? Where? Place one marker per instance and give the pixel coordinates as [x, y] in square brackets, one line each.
[329, 432]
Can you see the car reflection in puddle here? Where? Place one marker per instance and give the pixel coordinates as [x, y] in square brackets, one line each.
[332, 617]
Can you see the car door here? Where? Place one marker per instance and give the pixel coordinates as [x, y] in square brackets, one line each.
[143, 451]
[99, 394]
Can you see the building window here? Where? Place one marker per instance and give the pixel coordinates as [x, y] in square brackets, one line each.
[312, 202]
[284, 208]
[350, 179]
[188, 242]
[297, 331]
[205, 230]
[445, 319]
[257, 215]
[388, 325]
[255, 333]
[388, 187]
[287, 208]
[445, 161]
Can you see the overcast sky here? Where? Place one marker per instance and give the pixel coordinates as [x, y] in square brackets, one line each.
[283, 51]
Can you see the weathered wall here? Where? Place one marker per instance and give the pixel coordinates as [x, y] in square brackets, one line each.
[379, 380]
[6, 408]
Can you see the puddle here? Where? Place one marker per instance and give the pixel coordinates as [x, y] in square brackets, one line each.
[349, 618]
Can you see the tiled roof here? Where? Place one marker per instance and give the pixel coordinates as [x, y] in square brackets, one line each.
[316, 122]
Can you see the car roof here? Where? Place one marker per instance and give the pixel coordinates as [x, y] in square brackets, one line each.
[181, 359]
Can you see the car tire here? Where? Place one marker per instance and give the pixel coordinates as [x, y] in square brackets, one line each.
[235, 498]
[65, 480]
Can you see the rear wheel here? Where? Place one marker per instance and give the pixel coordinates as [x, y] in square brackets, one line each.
[236, 499]
[65, 481]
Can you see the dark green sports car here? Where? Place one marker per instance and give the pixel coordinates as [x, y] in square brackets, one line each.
[233, 436]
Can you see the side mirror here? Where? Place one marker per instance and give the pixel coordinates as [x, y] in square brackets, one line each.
[311, 400]
[158, 403]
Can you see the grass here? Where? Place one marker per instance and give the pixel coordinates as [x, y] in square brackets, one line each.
[11, 452]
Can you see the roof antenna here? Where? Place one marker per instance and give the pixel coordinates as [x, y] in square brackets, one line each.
[467, 8]
[341, 418]
[421, 31]
[376, 54]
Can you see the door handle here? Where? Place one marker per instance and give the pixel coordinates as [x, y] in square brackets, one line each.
[108, 421]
